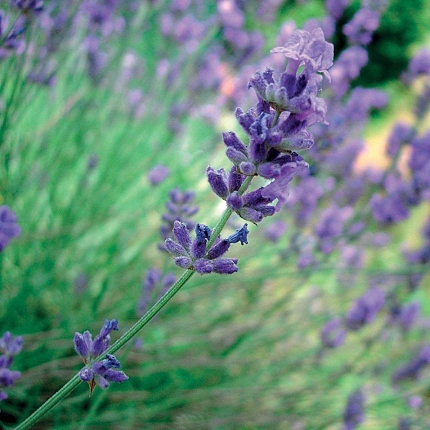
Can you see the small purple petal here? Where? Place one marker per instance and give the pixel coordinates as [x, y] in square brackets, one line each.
[234, 201]
[203, 266]
[218, 249]
[183, 262]
[174, 248]
[86, 374]
[181, 233]
[81, 346]
[225, 266]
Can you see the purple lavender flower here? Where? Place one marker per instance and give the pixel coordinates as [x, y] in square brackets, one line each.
[9, 346]
[13, 42]
[365, 308]
[346, 68]
[158, 174]
[333, 334]
[419, 65]
[392, 207]
[401, 134]
[405, 316]
[8, 226]
[336, 7]
[293, 100]
[192, 254]
[413, 369]
[275, 230]
[101, 372]
[362, 26]
[354, 410]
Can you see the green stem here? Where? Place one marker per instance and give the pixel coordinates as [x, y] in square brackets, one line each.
[75, 381]
[50, 403]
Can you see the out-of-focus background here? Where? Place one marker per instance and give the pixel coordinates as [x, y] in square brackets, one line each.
[112, 109]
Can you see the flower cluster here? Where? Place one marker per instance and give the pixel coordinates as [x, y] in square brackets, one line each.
[276, 127]
[8, 226]
[100, 372]
[192, 254]
[9, 346]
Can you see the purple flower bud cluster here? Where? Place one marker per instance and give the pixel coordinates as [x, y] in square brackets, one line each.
[354, 410]
[179, 208]
[9, 346]
[270, 154]
[101, 372]
[9, 227]
[193, 255]
[154, 283]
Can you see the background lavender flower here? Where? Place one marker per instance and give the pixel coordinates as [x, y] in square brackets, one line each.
[9, 346]
[354, 410]
[158, 174]
[9, 227]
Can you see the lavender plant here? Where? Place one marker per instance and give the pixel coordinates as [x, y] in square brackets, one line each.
[278, 123]
[325, 323]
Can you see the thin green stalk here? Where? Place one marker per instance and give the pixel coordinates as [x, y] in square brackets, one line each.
[75, 381]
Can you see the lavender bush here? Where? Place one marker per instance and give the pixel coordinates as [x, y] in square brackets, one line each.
[146, 141]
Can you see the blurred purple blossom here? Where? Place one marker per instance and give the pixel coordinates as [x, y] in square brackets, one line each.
[354, 410]
[413, 368]
[9, 227]
[9, 346]
[333, 333]
[158, 174]
[336, 7]
[362, 26]
[365, 309]
[275, 230]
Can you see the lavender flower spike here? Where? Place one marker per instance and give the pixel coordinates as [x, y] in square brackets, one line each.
[101, 372]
